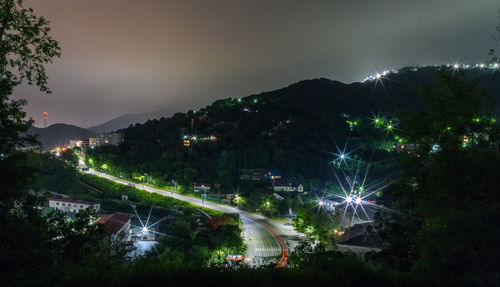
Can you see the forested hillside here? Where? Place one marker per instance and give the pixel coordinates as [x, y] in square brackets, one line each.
[294, 129]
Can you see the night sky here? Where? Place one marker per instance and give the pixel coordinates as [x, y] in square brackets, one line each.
[130, 56]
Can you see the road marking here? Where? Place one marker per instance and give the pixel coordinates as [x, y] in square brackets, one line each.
[284, 248]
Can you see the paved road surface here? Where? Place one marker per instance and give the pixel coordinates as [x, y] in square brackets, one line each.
[266, 239]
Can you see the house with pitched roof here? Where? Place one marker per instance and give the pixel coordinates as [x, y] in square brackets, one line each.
[117, 226]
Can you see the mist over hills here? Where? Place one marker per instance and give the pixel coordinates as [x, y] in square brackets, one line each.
[126, 120]
[396, 90]
[59, 134]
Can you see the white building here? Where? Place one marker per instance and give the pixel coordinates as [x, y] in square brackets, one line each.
[77, 143]
[70, 205]
[290, 186]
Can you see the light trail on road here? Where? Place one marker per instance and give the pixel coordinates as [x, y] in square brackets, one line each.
[284, 248]
[261, 239]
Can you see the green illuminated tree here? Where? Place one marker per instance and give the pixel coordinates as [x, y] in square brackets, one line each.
[240, 200]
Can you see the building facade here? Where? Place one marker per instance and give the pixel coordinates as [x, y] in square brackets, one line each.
[78, 143]
[72, 206]
[106, 139]
[288, 186]
[201, 187]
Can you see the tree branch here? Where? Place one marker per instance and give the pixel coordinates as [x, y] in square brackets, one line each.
[6, 18]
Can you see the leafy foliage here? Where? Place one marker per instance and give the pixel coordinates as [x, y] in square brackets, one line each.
[448, 196]
[317, 224]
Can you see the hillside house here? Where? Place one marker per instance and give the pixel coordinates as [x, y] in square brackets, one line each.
[117, 226]
[288, 186]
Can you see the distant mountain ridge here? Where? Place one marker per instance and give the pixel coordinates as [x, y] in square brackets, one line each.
[288, 129]
[59, 135]
[405, 84]
[126, 120]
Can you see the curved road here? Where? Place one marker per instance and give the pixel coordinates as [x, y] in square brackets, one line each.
[266, 239]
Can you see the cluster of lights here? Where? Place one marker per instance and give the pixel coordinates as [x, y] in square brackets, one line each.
[380, 75]
[355, 199]
[353, 196]
[187, 139]
[466, 141]
[57, 151]
[457, 66]
[352, 124]
[380, 122]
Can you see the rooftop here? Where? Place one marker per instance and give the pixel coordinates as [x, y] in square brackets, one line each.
[113, 223]
[363, 235]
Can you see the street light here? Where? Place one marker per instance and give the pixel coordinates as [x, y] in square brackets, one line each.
[358, 200]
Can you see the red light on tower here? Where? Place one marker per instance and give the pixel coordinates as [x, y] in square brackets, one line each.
[45, 114]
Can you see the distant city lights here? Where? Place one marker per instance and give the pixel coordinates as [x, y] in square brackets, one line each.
[455, 66]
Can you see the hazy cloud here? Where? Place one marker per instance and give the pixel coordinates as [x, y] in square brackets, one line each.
[131, 56]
